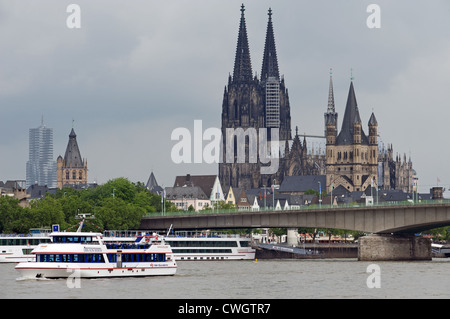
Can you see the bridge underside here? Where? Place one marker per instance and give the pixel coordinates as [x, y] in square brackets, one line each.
[388, 219]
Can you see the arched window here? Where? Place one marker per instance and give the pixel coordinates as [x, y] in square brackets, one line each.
[80, 175]
[74, 174]
[67, 174]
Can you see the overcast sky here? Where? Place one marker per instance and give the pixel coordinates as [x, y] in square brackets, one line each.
[138, 69]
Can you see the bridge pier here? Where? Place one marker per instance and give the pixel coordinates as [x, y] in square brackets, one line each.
[388, 247]
[292, 236]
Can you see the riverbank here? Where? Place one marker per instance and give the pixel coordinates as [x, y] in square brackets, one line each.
[312, 251]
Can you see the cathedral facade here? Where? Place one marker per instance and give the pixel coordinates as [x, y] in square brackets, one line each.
[256, 103]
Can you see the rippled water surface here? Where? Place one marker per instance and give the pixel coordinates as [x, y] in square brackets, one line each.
[264, 279]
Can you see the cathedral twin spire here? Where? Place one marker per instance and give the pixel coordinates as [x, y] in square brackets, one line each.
[242, 63]
[270, 62]
[252, 102]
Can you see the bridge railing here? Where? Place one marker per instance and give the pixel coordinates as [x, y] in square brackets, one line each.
[314, 207]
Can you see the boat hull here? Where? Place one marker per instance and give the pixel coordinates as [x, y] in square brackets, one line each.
[64, 270]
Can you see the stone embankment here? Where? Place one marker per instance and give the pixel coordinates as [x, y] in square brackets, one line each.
[307, 251]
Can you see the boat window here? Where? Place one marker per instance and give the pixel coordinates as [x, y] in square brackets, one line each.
[72, 239]
[27, 251]
[243, 243]
[112, 258]
[140, 257]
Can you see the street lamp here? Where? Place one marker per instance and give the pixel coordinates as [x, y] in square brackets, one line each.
[320, 194]
[273, 195]
[331, 191]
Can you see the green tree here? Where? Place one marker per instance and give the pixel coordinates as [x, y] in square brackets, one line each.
[11, 215]
[118, 204]
[47, 211]
[117, 214]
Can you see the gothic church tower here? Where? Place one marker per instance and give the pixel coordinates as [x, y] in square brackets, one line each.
[250, 103]
[72, 169]
[352, 156]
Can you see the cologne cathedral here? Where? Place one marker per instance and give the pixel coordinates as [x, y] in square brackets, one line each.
[252, 102]
[352, 160]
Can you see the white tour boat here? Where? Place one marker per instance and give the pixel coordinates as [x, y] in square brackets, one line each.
[17, 248]
[88, 255]
[197, 246]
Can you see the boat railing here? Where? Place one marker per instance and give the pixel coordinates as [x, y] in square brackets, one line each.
[82, 243]
[126, 233]
[17, 235]
[205, 234]
[34, 232]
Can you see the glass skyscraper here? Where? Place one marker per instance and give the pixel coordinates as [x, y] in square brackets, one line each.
[41, 168]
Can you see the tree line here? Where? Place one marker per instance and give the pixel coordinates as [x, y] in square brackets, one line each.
[117, 205]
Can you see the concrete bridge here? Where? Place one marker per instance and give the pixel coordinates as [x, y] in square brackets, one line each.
[392, 226]
[409, 218]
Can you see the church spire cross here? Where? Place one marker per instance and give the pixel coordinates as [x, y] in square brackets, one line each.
[331, 108]
[242, 63]
[270, 62]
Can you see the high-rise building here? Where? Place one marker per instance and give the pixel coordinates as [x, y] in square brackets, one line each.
[41, 168]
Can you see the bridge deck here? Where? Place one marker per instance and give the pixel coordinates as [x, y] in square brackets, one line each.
[383, 218]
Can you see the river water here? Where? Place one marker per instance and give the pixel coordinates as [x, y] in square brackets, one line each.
[262, 279]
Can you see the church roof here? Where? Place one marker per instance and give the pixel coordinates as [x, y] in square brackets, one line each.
[351, 116]
[270, 62]
[242, 63]
[373, 120]
[72, 157]
[152, 184]
[205, 182]
[302, 183]
[184, 193]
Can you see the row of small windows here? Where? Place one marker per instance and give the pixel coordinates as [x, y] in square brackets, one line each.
[201, 251]
[74, 174]
[138, 257]
[128, 246]
[189, 243]
[17, 241]
[73, 239]
[349, 155]
[98, 258]
[70, 258]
